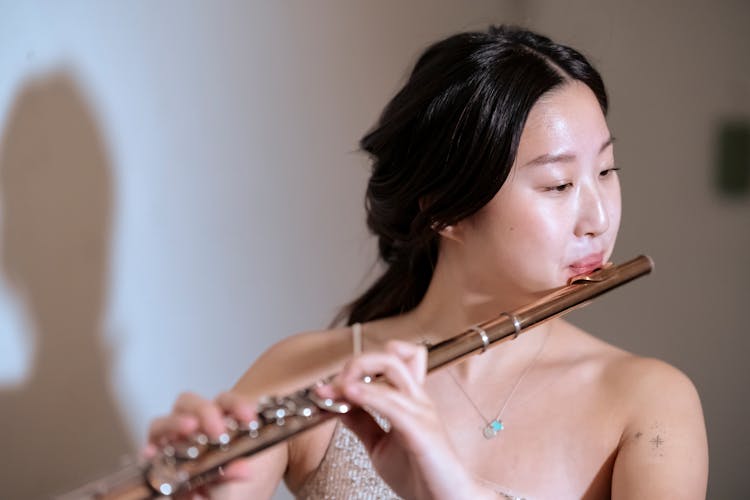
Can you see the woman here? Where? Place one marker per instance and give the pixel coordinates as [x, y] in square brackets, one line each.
[493, 182]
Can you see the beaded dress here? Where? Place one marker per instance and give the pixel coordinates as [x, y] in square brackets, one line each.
[346, 473]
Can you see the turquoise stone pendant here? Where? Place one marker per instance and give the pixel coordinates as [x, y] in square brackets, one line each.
[493, 429]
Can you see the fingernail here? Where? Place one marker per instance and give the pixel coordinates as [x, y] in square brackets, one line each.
[325, 391]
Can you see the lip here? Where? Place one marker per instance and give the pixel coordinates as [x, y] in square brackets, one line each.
[587, 264]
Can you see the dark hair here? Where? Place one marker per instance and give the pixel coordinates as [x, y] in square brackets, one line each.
[444, 145]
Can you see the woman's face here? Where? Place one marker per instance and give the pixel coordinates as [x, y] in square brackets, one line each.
[558, 213]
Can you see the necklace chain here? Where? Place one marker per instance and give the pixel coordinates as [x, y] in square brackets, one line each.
[494, 426]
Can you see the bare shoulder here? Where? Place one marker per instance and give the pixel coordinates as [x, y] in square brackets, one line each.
[650, 380]
[296, 361]
[663, 450]
[634, 378]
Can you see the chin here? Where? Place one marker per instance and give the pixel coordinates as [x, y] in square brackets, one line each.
[541, 288]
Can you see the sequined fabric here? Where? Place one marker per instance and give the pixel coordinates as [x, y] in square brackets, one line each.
[346, 473]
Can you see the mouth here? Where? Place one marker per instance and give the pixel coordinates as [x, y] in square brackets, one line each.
[587, 265]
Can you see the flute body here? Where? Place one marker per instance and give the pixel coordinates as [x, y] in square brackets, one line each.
[182, 468]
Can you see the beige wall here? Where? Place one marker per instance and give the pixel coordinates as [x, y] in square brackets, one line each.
[179, 190]
[674, 70]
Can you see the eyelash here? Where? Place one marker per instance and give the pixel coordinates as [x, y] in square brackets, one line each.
[606, 172]
[561, 188]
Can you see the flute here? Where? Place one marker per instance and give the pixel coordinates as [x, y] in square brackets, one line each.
[189, 465]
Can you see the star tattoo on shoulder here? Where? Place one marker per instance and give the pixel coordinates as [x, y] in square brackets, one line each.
[657, 441]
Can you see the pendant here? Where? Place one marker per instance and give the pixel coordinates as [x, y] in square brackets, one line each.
[493, 428]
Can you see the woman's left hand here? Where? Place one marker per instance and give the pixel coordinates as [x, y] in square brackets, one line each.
[415, 457]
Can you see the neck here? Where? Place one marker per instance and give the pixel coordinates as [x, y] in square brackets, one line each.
[454, 302]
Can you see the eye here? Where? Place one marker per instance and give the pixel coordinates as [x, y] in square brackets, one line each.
[560, 188]
[608, 172]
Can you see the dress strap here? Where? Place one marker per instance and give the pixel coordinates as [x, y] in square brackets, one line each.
[357, 338]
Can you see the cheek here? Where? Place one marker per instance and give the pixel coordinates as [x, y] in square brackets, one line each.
[532, 229]
[615, 209]
[616, 217]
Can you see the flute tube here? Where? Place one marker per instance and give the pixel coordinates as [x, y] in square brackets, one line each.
[164, 474]
[508, 325]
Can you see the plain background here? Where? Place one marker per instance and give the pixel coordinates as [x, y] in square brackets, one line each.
[180, 188]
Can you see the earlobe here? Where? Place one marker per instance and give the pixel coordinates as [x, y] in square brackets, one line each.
[451, 232]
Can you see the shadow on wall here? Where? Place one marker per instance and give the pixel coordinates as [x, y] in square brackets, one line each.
[62, 426]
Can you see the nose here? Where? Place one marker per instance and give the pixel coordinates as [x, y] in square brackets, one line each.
[593, 216]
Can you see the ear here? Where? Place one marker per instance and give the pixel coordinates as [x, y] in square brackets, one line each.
[452, 232]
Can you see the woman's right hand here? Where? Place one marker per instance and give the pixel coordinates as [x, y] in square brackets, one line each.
[193, 415]
[415, 456]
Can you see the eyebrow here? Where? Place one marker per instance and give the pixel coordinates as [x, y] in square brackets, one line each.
[564, 157]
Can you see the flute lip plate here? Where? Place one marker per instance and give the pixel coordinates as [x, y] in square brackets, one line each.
[598, 274]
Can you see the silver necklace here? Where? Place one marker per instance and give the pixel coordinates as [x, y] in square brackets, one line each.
[493, 427]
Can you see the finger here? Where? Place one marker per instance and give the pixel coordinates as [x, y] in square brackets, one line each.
[170, 427]
[391, 368]
[188, 402]
[329, 390]
[404, 412]
[236, 405]
[209, 414]
[413, 355]
[238, 470]
[149, 451]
